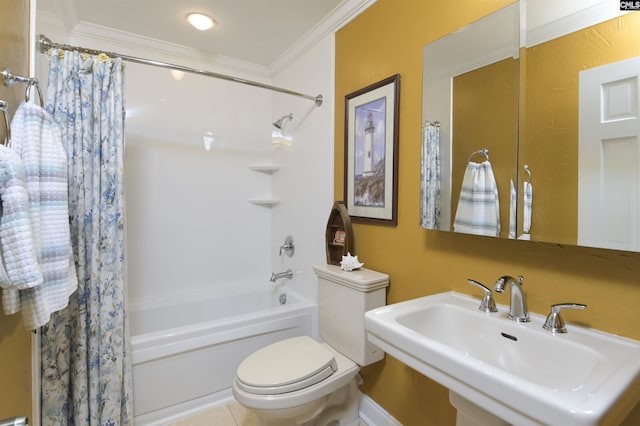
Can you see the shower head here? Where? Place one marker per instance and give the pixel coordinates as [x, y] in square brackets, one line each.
[278, 136]
[279, 123]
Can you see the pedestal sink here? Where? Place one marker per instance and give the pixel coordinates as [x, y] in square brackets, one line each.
[518, 372]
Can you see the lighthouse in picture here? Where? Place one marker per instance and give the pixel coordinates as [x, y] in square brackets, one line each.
[367, 168]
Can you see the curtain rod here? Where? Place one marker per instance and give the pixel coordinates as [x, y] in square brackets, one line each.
[46, 44]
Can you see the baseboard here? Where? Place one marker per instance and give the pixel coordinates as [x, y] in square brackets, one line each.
[373, 414]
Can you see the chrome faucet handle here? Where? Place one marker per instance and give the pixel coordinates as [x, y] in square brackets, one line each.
[554, 322]
[288, 247]
[487, 304]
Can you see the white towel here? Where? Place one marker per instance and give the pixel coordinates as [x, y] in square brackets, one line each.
[527, 210]
[478, 209]
[513, 208]
[19, 268]
[37, 141]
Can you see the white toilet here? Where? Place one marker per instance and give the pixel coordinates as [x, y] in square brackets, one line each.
[299, 381]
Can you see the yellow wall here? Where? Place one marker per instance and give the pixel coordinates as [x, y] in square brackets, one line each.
[551, 102]
[387, 39]
[15, 341]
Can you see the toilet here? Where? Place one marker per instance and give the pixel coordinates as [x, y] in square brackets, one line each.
[300, 381]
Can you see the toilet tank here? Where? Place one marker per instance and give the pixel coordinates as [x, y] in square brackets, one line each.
[343, 298]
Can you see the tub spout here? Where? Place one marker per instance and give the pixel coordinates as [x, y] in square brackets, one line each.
[277, 275]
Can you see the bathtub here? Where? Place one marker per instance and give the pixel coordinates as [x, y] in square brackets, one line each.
[185, 353]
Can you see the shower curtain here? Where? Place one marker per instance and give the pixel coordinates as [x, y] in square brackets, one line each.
[86, 366]
[430, 175]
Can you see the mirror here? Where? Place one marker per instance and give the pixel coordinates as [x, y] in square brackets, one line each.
[580, 125]
[470, 125]
[576, 126]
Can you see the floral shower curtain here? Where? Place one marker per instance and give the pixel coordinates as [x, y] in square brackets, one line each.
[430, 176]
[86, 368]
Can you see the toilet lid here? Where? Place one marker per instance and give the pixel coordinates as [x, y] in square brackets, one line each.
[286, 366]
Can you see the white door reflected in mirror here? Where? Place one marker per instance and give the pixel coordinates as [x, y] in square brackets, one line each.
[609, 158]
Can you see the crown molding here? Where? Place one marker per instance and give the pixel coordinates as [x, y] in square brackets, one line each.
[339, 17]
[580, 18]
[100, 37]
[108, 39]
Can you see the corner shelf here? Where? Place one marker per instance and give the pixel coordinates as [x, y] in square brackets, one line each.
[265, 168]
[268, 169]
[264, 202]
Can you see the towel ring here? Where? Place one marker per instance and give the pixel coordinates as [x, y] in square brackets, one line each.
[528, 172]
[33, 82]
[5, 112]
[483, 151]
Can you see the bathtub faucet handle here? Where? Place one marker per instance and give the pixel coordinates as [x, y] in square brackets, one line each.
[288, 247]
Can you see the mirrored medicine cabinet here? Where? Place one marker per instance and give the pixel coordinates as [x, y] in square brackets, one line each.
[547, 93]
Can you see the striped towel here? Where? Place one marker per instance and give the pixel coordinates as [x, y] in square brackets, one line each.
[37, 141]
[513, 209]
[478, 209]
[19, 268]
[526, 215]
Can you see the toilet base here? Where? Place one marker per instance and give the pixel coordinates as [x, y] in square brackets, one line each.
[340, 408]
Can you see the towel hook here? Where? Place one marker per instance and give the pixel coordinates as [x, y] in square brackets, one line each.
[528, 172]
[483, 151]
[5, 112]
[10, 79]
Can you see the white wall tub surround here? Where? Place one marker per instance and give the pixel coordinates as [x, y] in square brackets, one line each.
[185, 354]
[304, 183]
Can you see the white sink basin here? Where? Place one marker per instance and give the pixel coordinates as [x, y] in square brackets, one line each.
[519, 372]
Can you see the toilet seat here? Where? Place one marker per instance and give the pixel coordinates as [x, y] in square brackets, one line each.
[286, 366]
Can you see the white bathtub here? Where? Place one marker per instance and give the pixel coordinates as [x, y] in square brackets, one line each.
[185, 354]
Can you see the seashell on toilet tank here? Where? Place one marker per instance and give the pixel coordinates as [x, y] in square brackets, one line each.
[350, 263]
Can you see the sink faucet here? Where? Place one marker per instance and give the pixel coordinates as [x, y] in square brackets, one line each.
[277, 275]
[518, 309]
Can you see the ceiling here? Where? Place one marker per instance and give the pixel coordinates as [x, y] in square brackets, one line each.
[253, 31]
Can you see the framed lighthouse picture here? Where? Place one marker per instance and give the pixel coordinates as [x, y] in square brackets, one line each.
[371, 152]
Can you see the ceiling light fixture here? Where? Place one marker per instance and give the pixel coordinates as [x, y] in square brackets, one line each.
[200, 21]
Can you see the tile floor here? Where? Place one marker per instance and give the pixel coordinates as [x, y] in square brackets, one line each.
[230, 415]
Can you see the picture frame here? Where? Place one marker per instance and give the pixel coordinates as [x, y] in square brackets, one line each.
[371, 152]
